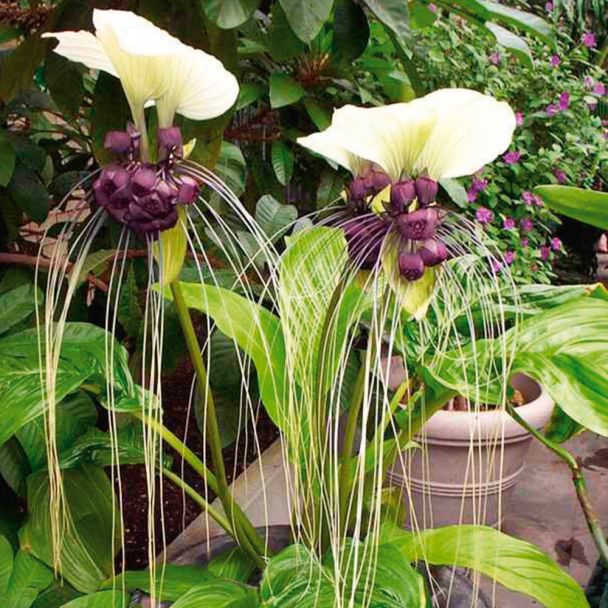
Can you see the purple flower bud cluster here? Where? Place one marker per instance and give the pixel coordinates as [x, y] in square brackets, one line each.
[415, 229]
[144, 196]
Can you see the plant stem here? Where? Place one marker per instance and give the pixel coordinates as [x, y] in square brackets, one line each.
[578, 480]
[198, 499]
[213, 432]
[197, 465]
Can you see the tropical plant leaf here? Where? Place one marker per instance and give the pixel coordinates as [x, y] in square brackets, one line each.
[14, 465]
[28, 578]
[282, 161]
[6, 564]
[82, 359]
[350, 32]
[29, 193]
[228, 14]
[561, 427]
[514, 563]
[58, 594]
[19, 67]
[101, 599]
[91, 537]
[514, 43]
[7, 158]
[274, 218]
[173, 581]
[284, 90]
[219, 593]
[587, 206]
[233, 564]
[394, 14]
[455, 190]
[521, 19]
[306, 17]
[18, 304]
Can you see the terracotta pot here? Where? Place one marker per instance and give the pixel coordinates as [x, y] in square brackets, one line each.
[470, 463]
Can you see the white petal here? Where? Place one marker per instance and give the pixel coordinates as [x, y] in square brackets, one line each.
[198, 87]
[391, 136]
[472, 129]
[326, 144]
[82, 47]
[134, 34]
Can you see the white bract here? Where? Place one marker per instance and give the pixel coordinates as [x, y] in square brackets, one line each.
[153, 67]
[448, 133]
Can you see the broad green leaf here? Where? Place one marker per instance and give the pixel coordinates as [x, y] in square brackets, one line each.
[282, 43]
[101, 599]
[7, 158]
[74, 415]
[29, 194]
[96, 263]
[455, 191]
[526, 21]
[58, 594]
[18, 304]
[64, 81]
[587, 206]
[561, 427]
[233, 565]
[514, 43]
[172, 581]
[28, 578]
[231, 167]
[421, 16]
[219, 593]
[91, 536]
[514, 563]
[248, 94]
[228, 14]
[306, 17]
[273, 217]
[83, 358]
[256, 330]
[350, 32]
[20, 65]
[394, 14]
[318, 114]
[284, 90]
[282, 161]
[14, 465]
[6, 564]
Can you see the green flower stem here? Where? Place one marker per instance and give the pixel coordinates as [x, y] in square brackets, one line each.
[197, 465]
[198, 499]
[578, 479]
[255, 546]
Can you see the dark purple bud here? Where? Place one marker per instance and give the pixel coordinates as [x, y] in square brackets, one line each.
[143, 181]
[189, 190]
[358, 189]
[118, 142]
[113, 179]
[376, 181]
[402, 194]
[433, 252]
[170, 142]
[418, 225]
[151, 214]
[364, 237]
[426, 190]
[411, 266]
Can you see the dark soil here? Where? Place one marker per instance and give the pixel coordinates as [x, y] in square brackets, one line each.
[178, 510]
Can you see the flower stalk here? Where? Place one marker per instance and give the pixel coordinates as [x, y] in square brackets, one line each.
[253, 546]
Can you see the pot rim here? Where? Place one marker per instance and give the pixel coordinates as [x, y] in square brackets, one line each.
[492, 424]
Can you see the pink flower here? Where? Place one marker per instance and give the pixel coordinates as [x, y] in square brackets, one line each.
[560, 176]
[549, 6]
[484, 216]
[556, 243]
[510, 257]
[592, 105]
[479, 184]
[551, 110]
[588, 82]
[599, 88]
[519, 119]
[526, 224]
[527, 197]
[496, 265]
[545, 252]
[432, 7]
[564, 101]
[555, 60]
[525, 242]
[494, 58]
[589, 40]
[508, 223]
[537, 200]
[511, 158]
[471, 195]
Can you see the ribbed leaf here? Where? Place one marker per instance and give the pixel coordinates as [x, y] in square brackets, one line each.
[101, 599]
[18, 304]
[282, 161]
[526, 21]
[219, 593]
[228, 14]
[284, 90]
[6, 564]
[28, 578]
[273, 217]
[89, 541]
[587, 206]
[514, 43]
[306, 17]
[514, 563]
